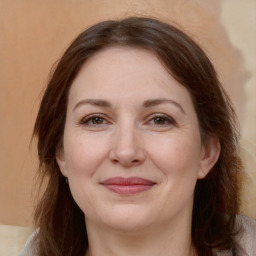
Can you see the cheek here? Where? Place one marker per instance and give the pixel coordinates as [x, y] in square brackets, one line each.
[176, 155]
[83, 154]
[178, 160]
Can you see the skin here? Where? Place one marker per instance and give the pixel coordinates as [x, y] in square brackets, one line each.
[134, 134]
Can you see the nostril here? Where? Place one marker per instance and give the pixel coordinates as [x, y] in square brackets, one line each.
[126, 162]
[127, 155]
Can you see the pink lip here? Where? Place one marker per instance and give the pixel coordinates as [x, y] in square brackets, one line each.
[127, 186]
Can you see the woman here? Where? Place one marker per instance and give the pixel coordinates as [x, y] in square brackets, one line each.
[139, 145]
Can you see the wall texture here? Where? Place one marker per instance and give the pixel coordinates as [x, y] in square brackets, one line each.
[33, 34]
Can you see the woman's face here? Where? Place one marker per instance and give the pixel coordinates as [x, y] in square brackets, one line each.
[132, 149]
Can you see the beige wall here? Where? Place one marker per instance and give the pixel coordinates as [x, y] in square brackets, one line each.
[34, 34]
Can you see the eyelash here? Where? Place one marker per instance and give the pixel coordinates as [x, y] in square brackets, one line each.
[87, 120]
[167, 119]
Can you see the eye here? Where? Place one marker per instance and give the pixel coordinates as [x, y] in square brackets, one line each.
[94, 120]
[161, 120]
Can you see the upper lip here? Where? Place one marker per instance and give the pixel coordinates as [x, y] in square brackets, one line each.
[123, 181]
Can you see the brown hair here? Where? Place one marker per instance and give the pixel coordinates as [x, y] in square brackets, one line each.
[216, 200]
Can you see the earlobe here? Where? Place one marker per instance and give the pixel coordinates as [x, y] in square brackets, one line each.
[60, 158]
[210, 154]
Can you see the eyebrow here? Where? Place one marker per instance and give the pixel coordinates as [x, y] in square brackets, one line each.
[94, 102]
[155, 102]
[146, 104]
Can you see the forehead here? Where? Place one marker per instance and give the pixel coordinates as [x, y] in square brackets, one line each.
[126, 78]
[118, 57]
[125, 69]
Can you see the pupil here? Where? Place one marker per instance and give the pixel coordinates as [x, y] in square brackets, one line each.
[97, 120]
[159, 120]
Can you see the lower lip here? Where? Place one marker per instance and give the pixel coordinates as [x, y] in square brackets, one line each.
[128, 189]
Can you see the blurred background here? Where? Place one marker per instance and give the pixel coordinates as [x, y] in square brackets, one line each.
[34, 34]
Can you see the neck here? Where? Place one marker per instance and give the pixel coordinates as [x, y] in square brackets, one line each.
[166, 240]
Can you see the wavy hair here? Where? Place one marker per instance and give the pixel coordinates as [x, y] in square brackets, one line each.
[216, 198]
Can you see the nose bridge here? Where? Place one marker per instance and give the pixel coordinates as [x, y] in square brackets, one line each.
[126, 135]
[127, 147]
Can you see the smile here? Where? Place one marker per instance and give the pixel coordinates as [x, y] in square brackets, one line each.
[127, 186]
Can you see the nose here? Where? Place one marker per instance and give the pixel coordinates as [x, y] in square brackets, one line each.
[127, 148]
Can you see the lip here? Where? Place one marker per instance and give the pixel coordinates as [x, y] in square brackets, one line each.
[127, 186]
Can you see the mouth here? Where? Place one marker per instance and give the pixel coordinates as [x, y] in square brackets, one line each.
[127, 186]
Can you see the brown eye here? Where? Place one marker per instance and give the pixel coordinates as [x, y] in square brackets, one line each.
[160, 120]
[93, 120]
[97, 120]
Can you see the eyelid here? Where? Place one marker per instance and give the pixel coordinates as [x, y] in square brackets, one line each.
[170, 119]
[85, 119]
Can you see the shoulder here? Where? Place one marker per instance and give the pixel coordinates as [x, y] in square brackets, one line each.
[29, 249]
[248, 223]
[247, 234]
[245, 237]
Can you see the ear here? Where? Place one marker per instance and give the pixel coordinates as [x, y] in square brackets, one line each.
[60, 158]
[210, 154]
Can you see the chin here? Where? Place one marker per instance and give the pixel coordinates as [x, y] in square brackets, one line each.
[128, 219]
